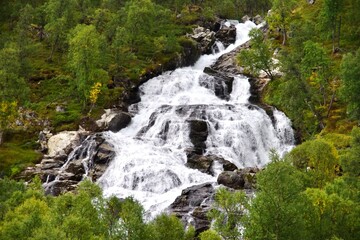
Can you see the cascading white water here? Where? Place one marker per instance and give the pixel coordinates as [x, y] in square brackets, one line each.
[150, 153]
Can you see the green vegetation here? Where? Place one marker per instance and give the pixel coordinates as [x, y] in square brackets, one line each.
[82, 55]
[317, 89]
[26, 213]
[66, 60]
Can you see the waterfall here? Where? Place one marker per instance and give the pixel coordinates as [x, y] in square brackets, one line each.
[151, 152]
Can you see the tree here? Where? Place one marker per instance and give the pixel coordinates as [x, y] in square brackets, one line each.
[86, 58]
[13, 88]
[159, 229]
[259, 56]
[61, 18]
[278, 209]
[331, 14]
[228, 212]
[319, 159]
[350, 74]
[280, 16]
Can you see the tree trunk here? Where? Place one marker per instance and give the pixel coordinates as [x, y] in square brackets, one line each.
[284, 37]
[339, 28]
[1, 137]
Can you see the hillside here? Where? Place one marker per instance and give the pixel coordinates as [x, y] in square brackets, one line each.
[63, 62]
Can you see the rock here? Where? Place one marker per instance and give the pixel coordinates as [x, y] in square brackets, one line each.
[202, 163]
[198, 134]
[63, 142]
[97, 171]
[231, 180]
[227, 165]
[239, 179]
[50, 163]
[220, 83]
[58, 187]
[311, 1]
[119, 122]
[104, 154]
[60, 109]
[226, 35]
[75, 167]
[205, 163]
[103, 122]
[258, 19]
[245, 18]
[205, 39]
[192, 206]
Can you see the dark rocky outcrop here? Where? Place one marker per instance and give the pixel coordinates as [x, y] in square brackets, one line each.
[205, 163]
[220, 83]
[195, 200]
[239, 179]
[226, 35]
[202, 163]
[205, 39]
[119, 122]
[198, 134]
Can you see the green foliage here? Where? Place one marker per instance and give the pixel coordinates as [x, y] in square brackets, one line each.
[161, 225]
[227, 213]
[280, 16]
[278, 209]
[318, 158]
[259, 56]
[26, 213]
[209, 235]
[350, 72]
[86, 58]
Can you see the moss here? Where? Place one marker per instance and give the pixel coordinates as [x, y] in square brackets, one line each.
[18, 153]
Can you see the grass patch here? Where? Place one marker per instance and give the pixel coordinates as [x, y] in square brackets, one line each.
[17, 153]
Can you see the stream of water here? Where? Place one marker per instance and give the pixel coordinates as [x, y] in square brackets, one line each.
[151, 152]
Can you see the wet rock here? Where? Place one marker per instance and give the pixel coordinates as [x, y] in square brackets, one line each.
[97, 171]
[205, 163]
[59, 187]
[75, 167]
[104, 154]
[226, 35]
[119, 122]
[220, 83]
[197, 201]
[198, 134]
[239, 179]
[227, 165]
[202, 163]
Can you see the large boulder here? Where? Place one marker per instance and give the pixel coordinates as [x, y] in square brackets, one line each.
[202, 163]
[119, 121]
[239, 179]
[231, 180]
[64, 142]
[226, 35]
[205, 38]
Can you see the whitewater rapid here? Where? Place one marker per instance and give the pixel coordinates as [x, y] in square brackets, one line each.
[151, 152]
